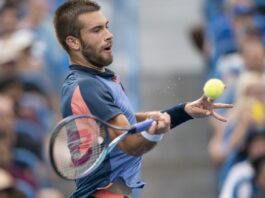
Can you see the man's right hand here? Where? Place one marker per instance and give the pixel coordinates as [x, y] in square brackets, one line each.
[161, 122]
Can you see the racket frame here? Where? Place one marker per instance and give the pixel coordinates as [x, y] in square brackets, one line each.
[107, 147]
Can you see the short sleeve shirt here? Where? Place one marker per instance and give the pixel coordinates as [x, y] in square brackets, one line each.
[87, 91]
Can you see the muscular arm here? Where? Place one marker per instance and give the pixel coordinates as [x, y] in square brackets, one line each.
[136, 144]
[141, 116]
[99, 101]
[178, 115]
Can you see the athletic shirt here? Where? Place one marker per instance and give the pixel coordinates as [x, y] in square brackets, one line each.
[238, 182]
[87, 91]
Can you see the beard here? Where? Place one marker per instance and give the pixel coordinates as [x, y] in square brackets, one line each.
[93, 57]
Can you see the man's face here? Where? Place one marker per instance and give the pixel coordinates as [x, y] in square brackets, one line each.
[96, 39]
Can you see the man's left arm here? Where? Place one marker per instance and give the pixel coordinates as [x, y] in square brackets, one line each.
[202, 107]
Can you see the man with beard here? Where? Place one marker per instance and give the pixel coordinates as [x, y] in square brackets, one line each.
[91, 88]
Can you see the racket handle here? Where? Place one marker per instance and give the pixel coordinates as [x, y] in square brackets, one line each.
[142, 126]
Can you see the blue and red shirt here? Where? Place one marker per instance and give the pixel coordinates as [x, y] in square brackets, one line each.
[87, 91]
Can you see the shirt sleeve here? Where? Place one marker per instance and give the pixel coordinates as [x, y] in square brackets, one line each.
[235, 181]
[244, 190]
[98, 99]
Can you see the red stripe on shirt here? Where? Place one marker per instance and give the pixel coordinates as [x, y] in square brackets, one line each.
[84, 136]
[78, 104]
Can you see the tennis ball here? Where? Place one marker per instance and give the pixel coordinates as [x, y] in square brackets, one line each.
[213, 88]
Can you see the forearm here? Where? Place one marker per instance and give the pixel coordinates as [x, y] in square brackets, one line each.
[238, 136]
[141, 116]
[136, 145]
[177, 114]
[216, 152]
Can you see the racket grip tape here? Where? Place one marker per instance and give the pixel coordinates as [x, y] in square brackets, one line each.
[144, 125]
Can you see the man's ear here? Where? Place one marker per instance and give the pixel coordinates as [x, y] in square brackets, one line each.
[73, 43]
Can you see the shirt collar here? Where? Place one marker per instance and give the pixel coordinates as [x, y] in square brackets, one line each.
[106, 73]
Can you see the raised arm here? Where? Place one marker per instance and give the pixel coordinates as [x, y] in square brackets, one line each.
[202, 107]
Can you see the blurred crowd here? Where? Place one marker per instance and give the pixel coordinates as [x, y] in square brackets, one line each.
[32, 67]
[231, 40]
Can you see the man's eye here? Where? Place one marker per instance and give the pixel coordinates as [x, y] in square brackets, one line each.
[96, 29]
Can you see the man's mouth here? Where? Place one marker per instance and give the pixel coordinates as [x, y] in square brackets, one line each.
[108, 48]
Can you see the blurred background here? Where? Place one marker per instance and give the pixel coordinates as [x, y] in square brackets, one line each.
[164, 52]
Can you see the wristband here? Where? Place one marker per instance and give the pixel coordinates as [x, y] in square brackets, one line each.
[152, 137]
[178, 115]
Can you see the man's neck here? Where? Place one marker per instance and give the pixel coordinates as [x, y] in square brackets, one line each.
[87, 64]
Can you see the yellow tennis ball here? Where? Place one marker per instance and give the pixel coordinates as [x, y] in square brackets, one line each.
[213, 88]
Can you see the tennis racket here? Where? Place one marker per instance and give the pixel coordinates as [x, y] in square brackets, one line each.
[80, 143]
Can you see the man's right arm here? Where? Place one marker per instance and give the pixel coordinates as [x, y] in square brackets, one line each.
[98, 101]
[137, 144]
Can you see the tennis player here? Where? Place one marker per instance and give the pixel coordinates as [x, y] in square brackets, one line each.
[91, 88]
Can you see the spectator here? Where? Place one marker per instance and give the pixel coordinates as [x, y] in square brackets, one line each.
[248, 112]
[38, 20]
[7, 124]
[223, 32]
[259, 178]
[7, 186]
[230, 66]
[253, 56]
[8, 19]
[49, 192]
[13, 88]
[25, 42]
[240, 181]
[213, 8]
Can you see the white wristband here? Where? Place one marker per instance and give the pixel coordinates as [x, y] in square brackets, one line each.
[152, 137]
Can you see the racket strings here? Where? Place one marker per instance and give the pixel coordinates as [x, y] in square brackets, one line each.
[78, 146]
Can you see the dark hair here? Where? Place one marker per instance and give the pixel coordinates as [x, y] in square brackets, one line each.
[5, 83]
[66, 18]
[258, 164]
[252, 134]
[14, 192]
[196, 35]
[11, 4]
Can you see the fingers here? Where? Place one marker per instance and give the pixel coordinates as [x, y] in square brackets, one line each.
[215, 105]
[214, 114]
[200, 112]
[210, 112]
[204, 107]
[210, 100]
[206, 98]
[164, 121]
[161, 124]
[153, 127]
[219, 117]
[203, 98]
[222, 105]
[155, 115]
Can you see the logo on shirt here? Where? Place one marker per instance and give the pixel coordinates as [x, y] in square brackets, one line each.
[116, 79]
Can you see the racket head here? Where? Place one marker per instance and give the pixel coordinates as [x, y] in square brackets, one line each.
[78, 145]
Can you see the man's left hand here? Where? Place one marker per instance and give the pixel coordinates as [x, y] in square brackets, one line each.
[204, 107]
